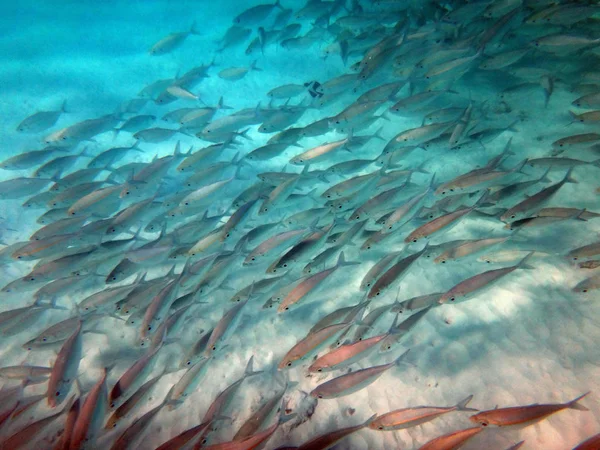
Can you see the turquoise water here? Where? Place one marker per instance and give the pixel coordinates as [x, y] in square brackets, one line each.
[527, 337]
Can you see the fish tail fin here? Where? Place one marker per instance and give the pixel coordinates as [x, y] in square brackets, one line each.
[222, 105]
[278, 5]
[523, 263]
[420, 168]
[249, 371]
[378, 135]
[369, 420]
[519, 167]
[253, 67]
[574, 404]
[574, 117]
[244, 134]
[400, 359]
[194, 29]
[568, 178]
[462, 405]
[432, 186]
[341, 262]
[544, 178]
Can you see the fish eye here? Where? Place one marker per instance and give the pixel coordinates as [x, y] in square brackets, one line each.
[320, 396]
[112, 405]
[415, 240]
[214, 347]
[44, 339]
[487, 261]
[319, 370]
[189, 363]
[380, 427]
[443, 261]
[452, 299]
[57, 393]
[512, 217]
[378, 293]
[484, 424]
[584, 290]
[289, 364]
[114, 424]
[575, 258]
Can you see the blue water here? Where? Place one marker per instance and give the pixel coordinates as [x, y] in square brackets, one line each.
[529, 339]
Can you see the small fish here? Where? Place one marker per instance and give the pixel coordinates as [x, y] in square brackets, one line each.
[308, 285]
[237, 73]
[65, 367]
[327, 440]
[41, 121]
[452, 441]
[310, 344]
[91, 414]
[256, 14]
[477, 283]
[345, 355]
[172, 41]
[528, 414]
[588, 284]
[400, 419]
[530, 205]
[354, 381]
[589, 444]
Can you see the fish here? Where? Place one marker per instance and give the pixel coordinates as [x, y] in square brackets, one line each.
[136, 429]
[91, 414]
[237, 73]
[33, 158]
[183, 438]
[65, 367]
[400, 419]
[394, 274]
[521, 415]
[172, 41]
[311, 283]
[132, 375]
[589, 444]
[327, 440]
[256, 14]
[441, 223]
[41, 120]
[131, 403]
[353, 381]
[223, 328]
[309, 344]
[26, 435]
[345, 355]
[452, 440]
[30, 373]
[529, 206]
[477, 283]
[318, 152]
[588, 284]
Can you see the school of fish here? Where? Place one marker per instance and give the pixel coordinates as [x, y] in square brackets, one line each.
[165, 228]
